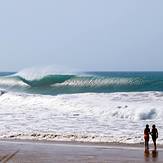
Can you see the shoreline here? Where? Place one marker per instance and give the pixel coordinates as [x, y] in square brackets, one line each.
[100, 144]
[66, 152]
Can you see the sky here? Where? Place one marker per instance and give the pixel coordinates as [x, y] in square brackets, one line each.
[88, 35]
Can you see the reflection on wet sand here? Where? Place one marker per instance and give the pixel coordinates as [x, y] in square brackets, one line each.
[154, 155]
[150, 154]
[147, 155]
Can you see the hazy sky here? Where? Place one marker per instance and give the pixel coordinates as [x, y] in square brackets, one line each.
[82, 34]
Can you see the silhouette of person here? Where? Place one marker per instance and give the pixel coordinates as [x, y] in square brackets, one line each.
[146, 136]
[154, 135]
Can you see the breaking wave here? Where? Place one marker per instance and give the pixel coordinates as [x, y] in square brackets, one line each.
[96, 117]
[99, 82]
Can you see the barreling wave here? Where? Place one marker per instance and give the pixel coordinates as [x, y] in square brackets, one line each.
[46, 80]
[93, 82]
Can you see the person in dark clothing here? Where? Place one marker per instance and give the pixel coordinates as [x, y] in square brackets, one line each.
[154, 135]
[146, 136]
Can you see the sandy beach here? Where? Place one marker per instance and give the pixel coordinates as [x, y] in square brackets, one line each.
[65, 152]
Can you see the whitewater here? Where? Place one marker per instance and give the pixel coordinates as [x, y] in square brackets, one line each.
[89, 107]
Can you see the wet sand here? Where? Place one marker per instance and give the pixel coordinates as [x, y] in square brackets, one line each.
[62, 152]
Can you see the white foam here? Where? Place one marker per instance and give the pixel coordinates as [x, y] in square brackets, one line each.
[11, 82]
[97, 82]
[97, 117]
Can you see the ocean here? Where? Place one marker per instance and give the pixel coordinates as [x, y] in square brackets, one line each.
[80, 106]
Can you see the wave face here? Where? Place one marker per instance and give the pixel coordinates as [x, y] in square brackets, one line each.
[97, 82]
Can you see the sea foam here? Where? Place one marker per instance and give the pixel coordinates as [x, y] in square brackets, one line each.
[90, 117]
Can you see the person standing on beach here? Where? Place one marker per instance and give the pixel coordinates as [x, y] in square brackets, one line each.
[146, 136]
[154, 135]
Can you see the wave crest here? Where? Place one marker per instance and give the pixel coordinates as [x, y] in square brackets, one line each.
[79, 83]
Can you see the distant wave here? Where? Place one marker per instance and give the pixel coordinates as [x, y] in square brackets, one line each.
[68, 83]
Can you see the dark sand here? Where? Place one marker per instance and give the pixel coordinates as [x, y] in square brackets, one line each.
[62, 152]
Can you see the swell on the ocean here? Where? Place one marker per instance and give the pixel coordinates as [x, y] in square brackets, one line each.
[97, 82]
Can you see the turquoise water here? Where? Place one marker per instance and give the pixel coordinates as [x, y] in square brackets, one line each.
[97, 82]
